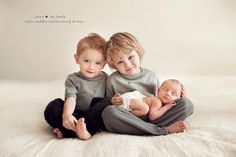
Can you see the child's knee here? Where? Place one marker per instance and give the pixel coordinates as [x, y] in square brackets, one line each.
[108, 112]
[53, 109]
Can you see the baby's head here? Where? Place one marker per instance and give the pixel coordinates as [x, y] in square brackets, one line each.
[121, 44]
[170, 90]
[90, 55]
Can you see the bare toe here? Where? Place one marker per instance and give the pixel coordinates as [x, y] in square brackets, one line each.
[55, 130]
[58, 133]
[81, 130]
[177, 127]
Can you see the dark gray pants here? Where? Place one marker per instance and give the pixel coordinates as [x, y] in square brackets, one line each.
[118, 120]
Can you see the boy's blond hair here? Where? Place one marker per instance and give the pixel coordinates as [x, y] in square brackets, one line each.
[121, 43]
[92, 41]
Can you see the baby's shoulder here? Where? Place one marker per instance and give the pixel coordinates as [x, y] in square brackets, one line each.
[152, 99]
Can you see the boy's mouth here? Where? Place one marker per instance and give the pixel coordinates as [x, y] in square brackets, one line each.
[130, 69]
[90, 72]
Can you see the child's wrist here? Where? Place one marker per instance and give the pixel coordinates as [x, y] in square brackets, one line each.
[65, 115]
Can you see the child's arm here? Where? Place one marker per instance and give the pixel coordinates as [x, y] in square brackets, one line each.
[157, 110]
[69, 120]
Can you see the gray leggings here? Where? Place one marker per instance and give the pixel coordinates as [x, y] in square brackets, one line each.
[118, 120]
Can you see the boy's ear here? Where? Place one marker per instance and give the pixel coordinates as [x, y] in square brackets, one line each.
[76, 58]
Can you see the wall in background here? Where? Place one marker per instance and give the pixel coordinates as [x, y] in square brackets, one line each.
[180, 37]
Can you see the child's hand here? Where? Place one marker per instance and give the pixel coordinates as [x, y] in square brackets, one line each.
[117, 99]
[169, 106]
[69, 122]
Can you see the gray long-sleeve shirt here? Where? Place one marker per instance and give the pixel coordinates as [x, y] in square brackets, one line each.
[146, 82]
[84, 89]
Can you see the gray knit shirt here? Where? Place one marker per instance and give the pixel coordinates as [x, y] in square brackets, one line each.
[84, 89]
[146, 82]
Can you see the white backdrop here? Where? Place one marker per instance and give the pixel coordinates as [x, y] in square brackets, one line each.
[180, 37]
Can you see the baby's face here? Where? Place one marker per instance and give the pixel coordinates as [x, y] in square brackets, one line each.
[169, 92]
[127, 63]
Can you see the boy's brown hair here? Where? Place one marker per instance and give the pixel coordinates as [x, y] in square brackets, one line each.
[120, 43]
[92, 41]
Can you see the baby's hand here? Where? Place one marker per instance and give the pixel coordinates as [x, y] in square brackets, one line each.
[170, 105]
[117, 99]
[69, 122]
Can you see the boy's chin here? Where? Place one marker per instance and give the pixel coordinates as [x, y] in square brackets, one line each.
[90, 75]
[131, 73]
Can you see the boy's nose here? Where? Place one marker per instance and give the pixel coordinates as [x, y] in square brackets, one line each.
[91, 66]
[127, 64]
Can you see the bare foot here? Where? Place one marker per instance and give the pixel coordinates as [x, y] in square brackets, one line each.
[177, 127]
[81, 130]
[58, 133]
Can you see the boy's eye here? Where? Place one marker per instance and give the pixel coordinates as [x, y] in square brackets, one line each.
[131, 57]
[98, 63]
[86, 60]
[119, 62]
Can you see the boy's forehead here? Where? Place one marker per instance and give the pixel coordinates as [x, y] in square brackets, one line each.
[123, 54]
[118, 56]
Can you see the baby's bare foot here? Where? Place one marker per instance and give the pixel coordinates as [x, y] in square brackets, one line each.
[81, 130]
[177, 127]
[58, 133]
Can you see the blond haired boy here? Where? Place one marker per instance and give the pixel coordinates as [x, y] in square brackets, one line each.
[124, 54]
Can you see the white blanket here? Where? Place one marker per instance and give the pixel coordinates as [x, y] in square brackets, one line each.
[212, 127]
